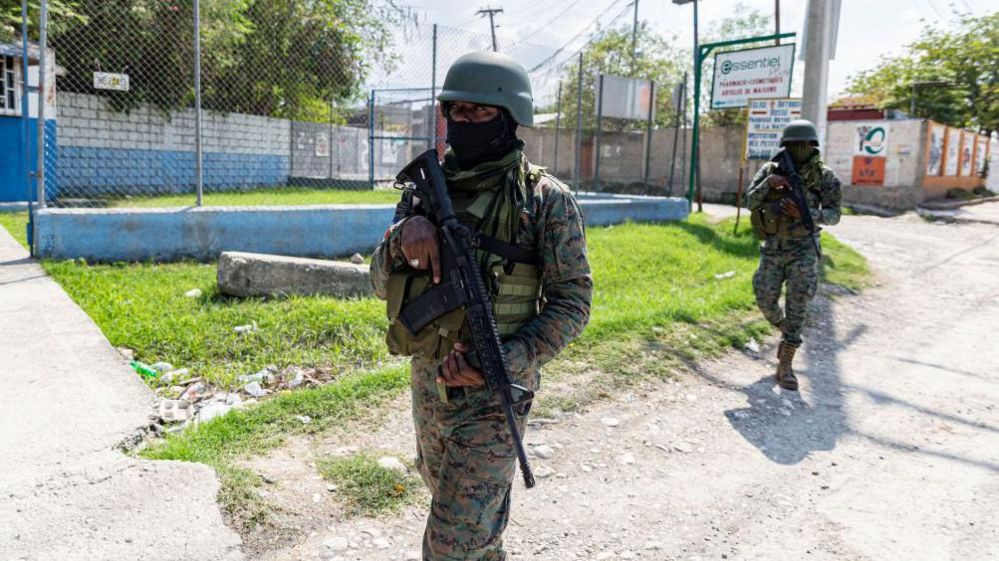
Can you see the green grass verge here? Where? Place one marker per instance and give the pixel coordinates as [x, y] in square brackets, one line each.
[143, 307]
[279, 196]
[16, 224]
[366, 488]
[842, 265]
[668, 293]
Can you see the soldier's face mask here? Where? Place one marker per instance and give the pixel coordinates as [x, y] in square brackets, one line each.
[476, 143]
[800, 151]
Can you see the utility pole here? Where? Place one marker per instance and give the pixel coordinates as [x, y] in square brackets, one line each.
[634, 37]
[491, 12]
[777, 21]
[820, 29]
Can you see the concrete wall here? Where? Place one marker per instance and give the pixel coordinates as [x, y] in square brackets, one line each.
[146, 151]
[308, 231]
[904, 162]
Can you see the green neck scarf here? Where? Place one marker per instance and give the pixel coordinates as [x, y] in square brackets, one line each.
[811, 171]
[506, 178]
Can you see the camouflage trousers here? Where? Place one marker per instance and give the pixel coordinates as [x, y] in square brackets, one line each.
[465, 456]
[790, 261]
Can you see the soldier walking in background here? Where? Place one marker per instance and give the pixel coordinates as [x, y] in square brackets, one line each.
[535, 268]
[790, 253]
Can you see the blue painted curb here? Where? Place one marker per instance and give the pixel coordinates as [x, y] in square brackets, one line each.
[174, 234]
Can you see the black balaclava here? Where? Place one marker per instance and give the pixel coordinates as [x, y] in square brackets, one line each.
[800, 152]
[476, 143]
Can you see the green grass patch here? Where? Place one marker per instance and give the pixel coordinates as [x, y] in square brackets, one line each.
[16, 224]
[143, 307]
[253, 430]
[842, 265]
[366, 488]
[279, 196]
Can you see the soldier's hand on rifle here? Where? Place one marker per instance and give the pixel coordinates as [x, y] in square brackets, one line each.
[789, 208]
[778, 182]
[456, 370]
[421, 246]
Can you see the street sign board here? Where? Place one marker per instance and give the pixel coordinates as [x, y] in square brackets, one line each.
[627, 98]
[740, 76]
[767, 119]
[110, 81]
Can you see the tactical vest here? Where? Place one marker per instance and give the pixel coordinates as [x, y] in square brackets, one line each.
[511, 275]
[768, 222]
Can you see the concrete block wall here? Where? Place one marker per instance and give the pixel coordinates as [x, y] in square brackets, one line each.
[146, 151]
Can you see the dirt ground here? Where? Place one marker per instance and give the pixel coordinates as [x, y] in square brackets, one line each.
[890, 451]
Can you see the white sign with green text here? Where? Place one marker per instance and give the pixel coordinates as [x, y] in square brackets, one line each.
[751, 74]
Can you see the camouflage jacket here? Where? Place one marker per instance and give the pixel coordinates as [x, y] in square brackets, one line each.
[551, 226]
[822, 193]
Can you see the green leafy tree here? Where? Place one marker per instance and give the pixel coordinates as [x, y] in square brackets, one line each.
[959, 69]
[62, 15]
[656, 59]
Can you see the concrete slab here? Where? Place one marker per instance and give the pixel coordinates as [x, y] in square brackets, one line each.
[255, 274]
[68, 400]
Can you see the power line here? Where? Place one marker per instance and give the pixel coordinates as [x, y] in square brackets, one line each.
[549, 22]
[577, 35]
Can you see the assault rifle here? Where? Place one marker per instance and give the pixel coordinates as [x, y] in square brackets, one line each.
[461, 270]
[785, 166]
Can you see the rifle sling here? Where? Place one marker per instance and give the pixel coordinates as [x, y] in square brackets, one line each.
[512, 253]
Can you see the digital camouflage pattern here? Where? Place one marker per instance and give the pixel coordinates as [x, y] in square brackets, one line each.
[464, 451]
[789, 257]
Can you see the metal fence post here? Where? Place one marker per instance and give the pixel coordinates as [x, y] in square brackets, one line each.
[596, 147]
[42, 47]
[198, 179]
[579, 122]
[648, 133]
[433, 91]
[371, 139]
[331, 142]
[558, 123]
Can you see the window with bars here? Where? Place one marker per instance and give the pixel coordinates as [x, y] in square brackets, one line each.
[8, 87]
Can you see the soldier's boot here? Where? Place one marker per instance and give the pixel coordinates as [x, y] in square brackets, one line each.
[785, 373]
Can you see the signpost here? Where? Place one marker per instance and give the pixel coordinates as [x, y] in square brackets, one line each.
[740, 76]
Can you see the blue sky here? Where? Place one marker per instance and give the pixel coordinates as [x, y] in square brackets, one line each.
[868, 28]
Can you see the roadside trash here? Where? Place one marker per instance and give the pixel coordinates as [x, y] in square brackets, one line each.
[144, 370]
[193, 392]
[254, 389]
[357, 259]
[726, 275]
[246, 328]
[193, 293]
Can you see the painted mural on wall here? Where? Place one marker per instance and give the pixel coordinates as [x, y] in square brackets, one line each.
[953, 151]
[967, 152]
[981, 155]
[936, 149]
[870, 154]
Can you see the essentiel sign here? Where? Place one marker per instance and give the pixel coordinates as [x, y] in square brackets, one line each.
[751, 74]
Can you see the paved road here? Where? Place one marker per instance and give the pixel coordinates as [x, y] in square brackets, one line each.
[67, 398]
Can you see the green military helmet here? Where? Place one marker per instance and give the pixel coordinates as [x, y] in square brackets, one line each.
[491, 79]
[800, 130]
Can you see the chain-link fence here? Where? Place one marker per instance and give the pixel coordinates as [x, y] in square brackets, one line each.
[294, 102]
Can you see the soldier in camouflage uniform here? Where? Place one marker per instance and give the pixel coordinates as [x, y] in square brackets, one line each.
[788, 255]
[540, 287]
